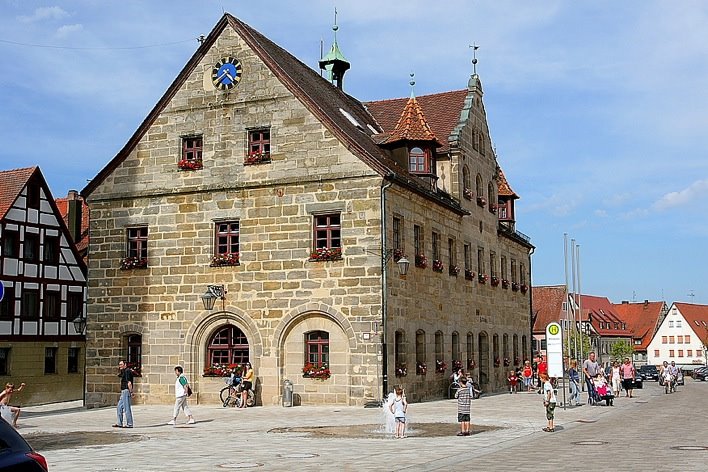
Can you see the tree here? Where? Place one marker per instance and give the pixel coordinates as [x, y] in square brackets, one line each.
[621, 349]
[577, 350]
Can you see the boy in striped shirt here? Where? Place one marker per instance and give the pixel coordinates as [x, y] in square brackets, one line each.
[463, 407]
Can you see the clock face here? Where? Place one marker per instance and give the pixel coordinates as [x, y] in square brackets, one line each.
[226, 73]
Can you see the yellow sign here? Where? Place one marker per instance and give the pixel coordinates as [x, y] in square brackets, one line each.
[554, 329]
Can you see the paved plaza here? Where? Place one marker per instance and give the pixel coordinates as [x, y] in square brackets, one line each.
[651, 431]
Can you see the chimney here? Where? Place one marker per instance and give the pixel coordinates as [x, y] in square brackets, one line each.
[625, 302]
[646, 303]
[74, 210]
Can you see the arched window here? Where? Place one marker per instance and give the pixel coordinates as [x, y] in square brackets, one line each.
[439, 347]
[134, 344]
[400, 348]
[524, 347]
[495, 350]
[228, 345]
[505, 346]
[515, 347]
[479, 188]
[419, 161]
[317, 348]
[470, 350]
[492, 197]
[466, 183]
[420, 354]
[456, 347]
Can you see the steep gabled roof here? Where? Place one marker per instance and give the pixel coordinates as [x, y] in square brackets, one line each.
[11, 184]
[504, 187]
[442, 112]
[412, 126]
[696, 316]
[547, 305]
[328, 103]
[642, 319]
[600, 310]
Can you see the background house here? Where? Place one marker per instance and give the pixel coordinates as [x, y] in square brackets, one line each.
[44, 281]
[682, 337]
[259, 180]
[642, 319]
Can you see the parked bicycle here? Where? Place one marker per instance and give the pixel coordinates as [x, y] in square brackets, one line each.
[231, 394]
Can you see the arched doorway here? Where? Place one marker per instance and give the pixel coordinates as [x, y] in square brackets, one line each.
[483, 346]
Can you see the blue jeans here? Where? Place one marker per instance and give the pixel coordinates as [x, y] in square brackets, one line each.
[124, 405]
[574, 392]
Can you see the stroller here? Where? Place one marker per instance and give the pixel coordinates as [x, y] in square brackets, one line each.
[599, 391]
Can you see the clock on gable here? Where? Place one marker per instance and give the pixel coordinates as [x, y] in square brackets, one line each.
[226, 73]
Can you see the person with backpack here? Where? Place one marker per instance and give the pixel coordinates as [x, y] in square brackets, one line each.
[182, 392]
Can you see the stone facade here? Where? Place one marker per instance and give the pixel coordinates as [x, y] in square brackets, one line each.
[277, 293]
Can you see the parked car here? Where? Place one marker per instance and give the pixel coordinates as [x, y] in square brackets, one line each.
[16, 455]
[700, 374]
[648, 372]
[679, 378]
[638, 381]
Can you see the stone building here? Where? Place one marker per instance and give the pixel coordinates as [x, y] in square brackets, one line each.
[258, 181]
[43, 292]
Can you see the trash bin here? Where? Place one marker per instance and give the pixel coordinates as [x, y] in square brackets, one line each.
[287, 393]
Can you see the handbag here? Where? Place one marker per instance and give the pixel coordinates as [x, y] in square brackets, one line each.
[189, 391]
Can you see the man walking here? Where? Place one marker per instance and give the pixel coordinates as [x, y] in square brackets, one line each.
[590, 368]
[182, 391]
[126, 394]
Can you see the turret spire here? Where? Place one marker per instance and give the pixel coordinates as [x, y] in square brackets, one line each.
[334, 62]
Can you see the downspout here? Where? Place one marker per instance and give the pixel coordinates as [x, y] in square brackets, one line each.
[384, 290]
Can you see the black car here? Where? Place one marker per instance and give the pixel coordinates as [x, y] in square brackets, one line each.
[700, 374]
[648, 372]
[15, 454]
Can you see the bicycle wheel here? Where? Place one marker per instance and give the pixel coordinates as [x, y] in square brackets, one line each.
[225, 396]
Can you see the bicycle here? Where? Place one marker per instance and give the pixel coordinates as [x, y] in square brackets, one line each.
[231, 394]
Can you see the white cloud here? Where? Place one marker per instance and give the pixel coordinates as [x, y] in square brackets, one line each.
[65, 30]
[45, 13]
[601, 213]
[697, 191]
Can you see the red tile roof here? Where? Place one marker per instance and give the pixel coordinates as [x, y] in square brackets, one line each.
[697, 317]
[504, 187]
[642, 319]
[11, 184]
[63, 207]
[412, 126]
[442, 112]
[547, 305]
[601, 310]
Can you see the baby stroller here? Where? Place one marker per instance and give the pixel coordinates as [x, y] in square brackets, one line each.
[599, 391]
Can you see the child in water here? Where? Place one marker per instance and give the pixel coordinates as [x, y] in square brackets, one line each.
[398, 408]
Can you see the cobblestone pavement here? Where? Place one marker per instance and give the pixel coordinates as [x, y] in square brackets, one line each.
[636, 434]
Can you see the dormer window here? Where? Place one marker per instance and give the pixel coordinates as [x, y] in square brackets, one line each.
[419, 160]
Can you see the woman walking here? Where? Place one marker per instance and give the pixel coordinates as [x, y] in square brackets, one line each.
[574, 379]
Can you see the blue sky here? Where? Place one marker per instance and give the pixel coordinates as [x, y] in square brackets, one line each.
[597, 108]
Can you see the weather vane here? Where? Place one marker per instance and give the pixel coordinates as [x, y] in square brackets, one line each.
[474, 57]
[412, 83]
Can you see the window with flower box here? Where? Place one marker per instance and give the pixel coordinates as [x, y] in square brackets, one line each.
[421, 367]
[327, 235]
[136, 248]
[515, 347]
[495, 350]
[469, 274]
[456, 346]
[258, 146]
[398, 238]
[492, 199]
[226, 244]
[437, 262]
[419, 248]
[480, 260]
[470, 351]
[439, 352]
[452, 257]
[133, 345]
[228, 345]
[191, 158]
[400, 353]
[317, 348]
[466, 183]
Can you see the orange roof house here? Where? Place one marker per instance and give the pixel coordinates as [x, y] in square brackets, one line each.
[642, 319]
